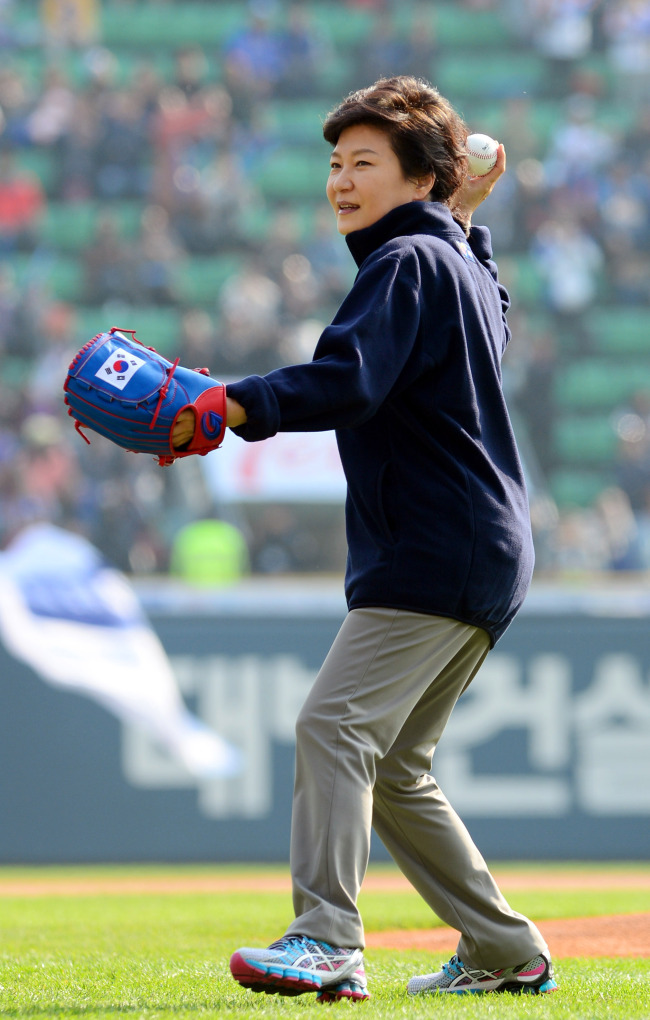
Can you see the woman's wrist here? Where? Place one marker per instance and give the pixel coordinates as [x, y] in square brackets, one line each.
[474, 190]
[235, 413]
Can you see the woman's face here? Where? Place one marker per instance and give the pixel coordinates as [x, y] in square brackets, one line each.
[366, 179]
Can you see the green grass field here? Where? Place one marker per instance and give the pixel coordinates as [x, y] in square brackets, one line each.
[165, 956]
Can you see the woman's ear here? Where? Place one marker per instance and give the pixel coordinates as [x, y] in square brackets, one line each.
[425, 186]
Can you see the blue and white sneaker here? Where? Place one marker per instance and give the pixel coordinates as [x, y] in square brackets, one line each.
[293, 965]
[354, 989]
[534, 977]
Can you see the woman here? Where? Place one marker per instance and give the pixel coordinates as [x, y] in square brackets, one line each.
[440, 552]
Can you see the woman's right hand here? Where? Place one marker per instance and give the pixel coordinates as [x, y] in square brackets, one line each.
[475, 190]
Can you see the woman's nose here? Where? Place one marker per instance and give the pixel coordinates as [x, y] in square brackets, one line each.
[342, 180]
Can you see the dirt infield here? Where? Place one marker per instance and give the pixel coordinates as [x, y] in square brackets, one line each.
[58, 883]
[617, 935]
[620, 935]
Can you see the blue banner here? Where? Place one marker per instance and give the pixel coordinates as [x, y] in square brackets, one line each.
[546, 756]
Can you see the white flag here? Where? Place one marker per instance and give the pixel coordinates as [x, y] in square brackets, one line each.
[118, 368]
[78, 623]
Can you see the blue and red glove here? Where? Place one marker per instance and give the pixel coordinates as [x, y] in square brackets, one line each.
[132, 395]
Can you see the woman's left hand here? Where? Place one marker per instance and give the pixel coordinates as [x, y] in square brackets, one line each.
[183, 429]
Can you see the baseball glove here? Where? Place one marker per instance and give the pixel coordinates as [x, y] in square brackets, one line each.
[132, 395]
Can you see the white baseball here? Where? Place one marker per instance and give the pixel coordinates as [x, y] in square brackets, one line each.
[481, 154]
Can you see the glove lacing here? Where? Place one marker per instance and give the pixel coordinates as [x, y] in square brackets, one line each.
[163, 391]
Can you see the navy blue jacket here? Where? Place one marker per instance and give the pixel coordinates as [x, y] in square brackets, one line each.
[409, 375]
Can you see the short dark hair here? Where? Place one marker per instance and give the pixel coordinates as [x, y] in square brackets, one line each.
[425, 132]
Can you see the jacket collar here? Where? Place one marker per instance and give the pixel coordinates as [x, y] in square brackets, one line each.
[405, 220]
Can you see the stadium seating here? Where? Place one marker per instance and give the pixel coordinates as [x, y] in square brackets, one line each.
[589, 389]
[498, 75]
[70, 226]
[200, 278]
[158, 327]
[146, 26]
[578, 487]
[601, 383]
[621, 331]
[585, 440]
[296, 121]
[292, 174]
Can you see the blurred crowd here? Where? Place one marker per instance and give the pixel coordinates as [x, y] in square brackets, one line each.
[182, 150]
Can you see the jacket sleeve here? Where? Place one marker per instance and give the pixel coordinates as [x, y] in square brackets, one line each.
[356, 363]
[481, 244]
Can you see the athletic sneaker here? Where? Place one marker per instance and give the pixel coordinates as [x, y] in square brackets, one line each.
[293, 965]
[354, 988]
[534, 977]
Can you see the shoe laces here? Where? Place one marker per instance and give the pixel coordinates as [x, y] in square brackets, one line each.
[289, 943]
[454, 968]
[294, 946]
[293, 941]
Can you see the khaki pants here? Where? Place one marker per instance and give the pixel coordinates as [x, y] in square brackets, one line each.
[365, 739]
